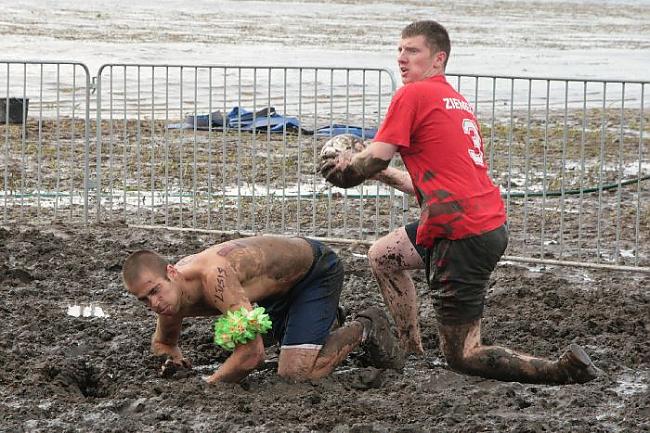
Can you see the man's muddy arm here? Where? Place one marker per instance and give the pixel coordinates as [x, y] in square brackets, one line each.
[165, 339]
[398, 179]
[244, 359]
[223, 291]
[347, 170]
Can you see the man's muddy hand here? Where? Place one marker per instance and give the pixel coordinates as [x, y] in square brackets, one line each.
[171, 366]
[339, 170]
[333, 163]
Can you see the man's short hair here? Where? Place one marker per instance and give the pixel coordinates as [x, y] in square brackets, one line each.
[143, 259]
[434, 33]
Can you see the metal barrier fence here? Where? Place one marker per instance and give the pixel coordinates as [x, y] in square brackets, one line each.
[571, 158]
[171, 147]
[237, 177]
[44, 113]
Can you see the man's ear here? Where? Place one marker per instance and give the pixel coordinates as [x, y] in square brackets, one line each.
[172, 273]
[439, 59]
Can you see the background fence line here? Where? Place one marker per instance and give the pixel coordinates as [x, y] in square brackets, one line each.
[264, 180]
[236, 149]
[44, 123]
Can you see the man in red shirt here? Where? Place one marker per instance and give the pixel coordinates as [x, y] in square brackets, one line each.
[462, 231]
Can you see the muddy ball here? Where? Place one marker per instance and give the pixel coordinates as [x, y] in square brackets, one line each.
[341, 143]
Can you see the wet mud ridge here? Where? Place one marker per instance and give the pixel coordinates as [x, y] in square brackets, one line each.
[74, 352]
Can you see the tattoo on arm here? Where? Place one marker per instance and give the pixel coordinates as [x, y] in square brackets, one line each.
[227, 249]
[220, 285]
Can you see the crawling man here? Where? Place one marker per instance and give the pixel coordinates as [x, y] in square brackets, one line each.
[297, 281]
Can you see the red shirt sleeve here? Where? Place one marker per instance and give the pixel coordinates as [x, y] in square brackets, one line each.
[399, 121]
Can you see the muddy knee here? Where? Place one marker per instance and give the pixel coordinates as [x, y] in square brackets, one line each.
[386, 260]
[295, 373]
[297, 363]
[377, 256]
[293, 376]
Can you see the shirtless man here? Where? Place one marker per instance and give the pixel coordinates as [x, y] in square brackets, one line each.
[298, 282]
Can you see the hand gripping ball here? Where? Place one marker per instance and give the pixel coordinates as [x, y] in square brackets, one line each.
[340, 143]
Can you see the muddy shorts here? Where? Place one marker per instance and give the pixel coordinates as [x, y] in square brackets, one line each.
[306, 314]
[459, 272]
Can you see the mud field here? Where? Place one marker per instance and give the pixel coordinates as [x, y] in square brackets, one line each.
[66, 373]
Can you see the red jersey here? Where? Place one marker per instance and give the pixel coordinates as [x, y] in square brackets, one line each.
[441, 146]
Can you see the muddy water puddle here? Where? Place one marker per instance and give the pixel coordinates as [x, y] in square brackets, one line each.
[631, 383]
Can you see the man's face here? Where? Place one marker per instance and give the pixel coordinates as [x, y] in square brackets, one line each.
[160, 294]
[416, 61]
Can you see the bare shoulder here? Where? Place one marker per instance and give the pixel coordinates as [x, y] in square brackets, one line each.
[186, 260]
[211, 264]
[200, 265]
[221, 286]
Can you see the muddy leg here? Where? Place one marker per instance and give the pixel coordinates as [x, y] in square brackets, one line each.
[391, 257]
[462, 347]
[300, 363]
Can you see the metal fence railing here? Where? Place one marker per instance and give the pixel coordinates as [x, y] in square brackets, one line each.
[571, 158]
[44, 121]
[235, 148]
[249, 162]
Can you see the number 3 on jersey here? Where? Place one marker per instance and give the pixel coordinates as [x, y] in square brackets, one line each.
[476, 153]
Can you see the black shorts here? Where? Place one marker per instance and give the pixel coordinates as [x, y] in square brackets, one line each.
[460, 271]
[305, 315]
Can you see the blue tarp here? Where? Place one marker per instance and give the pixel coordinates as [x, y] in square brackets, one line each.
[267, 119]
[338, 129]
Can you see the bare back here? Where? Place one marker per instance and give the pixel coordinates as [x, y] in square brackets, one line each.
[263, 265]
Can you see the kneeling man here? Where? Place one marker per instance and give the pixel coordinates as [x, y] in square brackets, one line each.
[297, 281]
